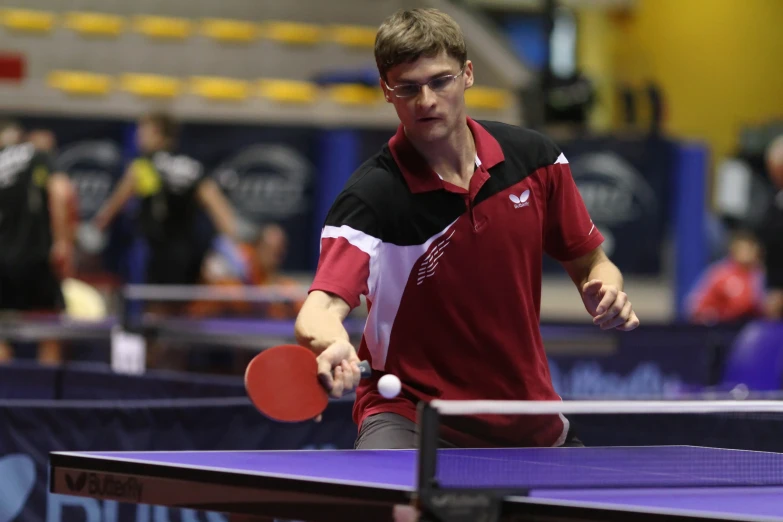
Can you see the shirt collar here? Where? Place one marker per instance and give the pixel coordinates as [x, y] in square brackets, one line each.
[419, 175]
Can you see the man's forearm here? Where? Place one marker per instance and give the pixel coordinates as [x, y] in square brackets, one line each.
[116, 201]
[320, 322]
[218, 208]
[59, 220]
[59, 191]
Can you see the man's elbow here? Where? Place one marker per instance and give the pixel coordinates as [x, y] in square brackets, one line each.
[60, 188]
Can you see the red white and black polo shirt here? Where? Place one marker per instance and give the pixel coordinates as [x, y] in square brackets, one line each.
[452, 278]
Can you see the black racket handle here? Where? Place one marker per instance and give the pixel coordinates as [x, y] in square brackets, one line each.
[366, 369]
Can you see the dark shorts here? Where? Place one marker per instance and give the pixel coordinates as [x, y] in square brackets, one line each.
[31, 288]
[392, 431]
[177, 263]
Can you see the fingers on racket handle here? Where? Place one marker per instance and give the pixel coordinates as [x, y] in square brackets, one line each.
[365, 368]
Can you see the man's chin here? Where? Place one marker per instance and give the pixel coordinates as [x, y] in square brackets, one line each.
[431, 133]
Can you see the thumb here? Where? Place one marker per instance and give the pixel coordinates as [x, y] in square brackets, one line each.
[592, 287]
[325, 372]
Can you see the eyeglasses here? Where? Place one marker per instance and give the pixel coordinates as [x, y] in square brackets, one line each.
[439, 84]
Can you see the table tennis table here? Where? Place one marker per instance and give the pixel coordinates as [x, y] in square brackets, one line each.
[542, 484]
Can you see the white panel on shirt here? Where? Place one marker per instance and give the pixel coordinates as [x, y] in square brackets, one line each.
[390, 269]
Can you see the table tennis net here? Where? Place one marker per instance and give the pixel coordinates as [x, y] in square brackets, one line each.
[632, 444]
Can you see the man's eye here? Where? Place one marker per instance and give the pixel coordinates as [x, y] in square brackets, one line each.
[439, 83]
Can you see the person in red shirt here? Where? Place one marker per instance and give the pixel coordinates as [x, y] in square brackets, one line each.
[731, 290]
[443, 232]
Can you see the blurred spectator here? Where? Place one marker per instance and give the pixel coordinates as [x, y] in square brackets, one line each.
[732, 289]
[772, 231]
[43, 140]
[261, 260]
[36, 233]
[171, 187]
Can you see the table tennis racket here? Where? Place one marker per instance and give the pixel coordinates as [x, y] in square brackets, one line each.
[282, 383]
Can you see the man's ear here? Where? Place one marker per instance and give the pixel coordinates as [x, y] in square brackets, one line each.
[469, 78]
[386, 93]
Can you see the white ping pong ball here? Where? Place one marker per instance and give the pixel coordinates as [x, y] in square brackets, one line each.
[389, 385]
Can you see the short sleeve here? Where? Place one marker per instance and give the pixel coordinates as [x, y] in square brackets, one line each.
[349, 250]
[569, 233]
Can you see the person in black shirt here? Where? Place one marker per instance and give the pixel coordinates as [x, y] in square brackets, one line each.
[171, 188]
[772, 234]
[35, 233]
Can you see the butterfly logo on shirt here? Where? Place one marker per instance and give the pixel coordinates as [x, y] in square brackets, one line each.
[427, 268]
[521, 200]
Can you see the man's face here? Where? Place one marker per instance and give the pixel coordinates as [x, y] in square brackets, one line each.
[11, 135]
[148, 137]
[746, 252]
[432, 113]
[774, 157]
[775, 170]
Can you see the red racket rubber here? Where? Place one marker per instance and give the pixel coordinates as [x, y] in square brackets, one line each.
[282, 383]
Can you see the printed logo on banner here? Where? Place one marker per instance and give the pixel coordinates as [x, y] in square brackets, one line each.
[17, 479]
[92, 166]
[590, 379]
[615, 193]
[266, 181]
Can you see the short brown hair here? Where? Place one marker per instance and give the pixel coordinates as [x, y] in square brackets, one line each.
[407, 35]
[165, 124]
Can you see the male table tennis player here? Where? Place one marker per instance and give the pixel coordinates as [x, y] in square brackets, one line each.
[444, 231]
[171, 187]
[36, 233]
[772, 231]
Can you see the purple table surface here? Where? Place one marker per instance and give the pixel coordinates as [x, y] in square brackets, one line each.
[681, 478]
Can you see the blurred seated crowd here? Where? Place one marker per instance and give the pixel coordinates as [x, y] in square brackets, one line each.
[747, 283]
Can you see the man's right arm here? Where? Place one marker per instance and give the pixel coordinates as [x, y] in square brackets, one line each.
[124, 191]
[349, 243]
[320, 321]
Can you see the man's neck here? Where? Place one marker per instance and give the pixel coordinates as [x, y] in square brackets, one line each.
[454, 158]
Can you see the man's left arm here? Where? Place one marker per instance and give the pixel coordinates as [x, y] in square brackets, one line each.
[218, 208]
[600, 283]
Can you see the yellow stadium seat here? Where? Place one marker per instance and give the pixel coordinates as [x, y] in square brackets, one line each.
[151, 85]
[292, 33]
[354, 94]
[28, 20]
[224, 30]
[217, 88]
[353, 35]
[95, 24]
[288, 91]
[163, 27]
[487, 98]
[80, 83]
